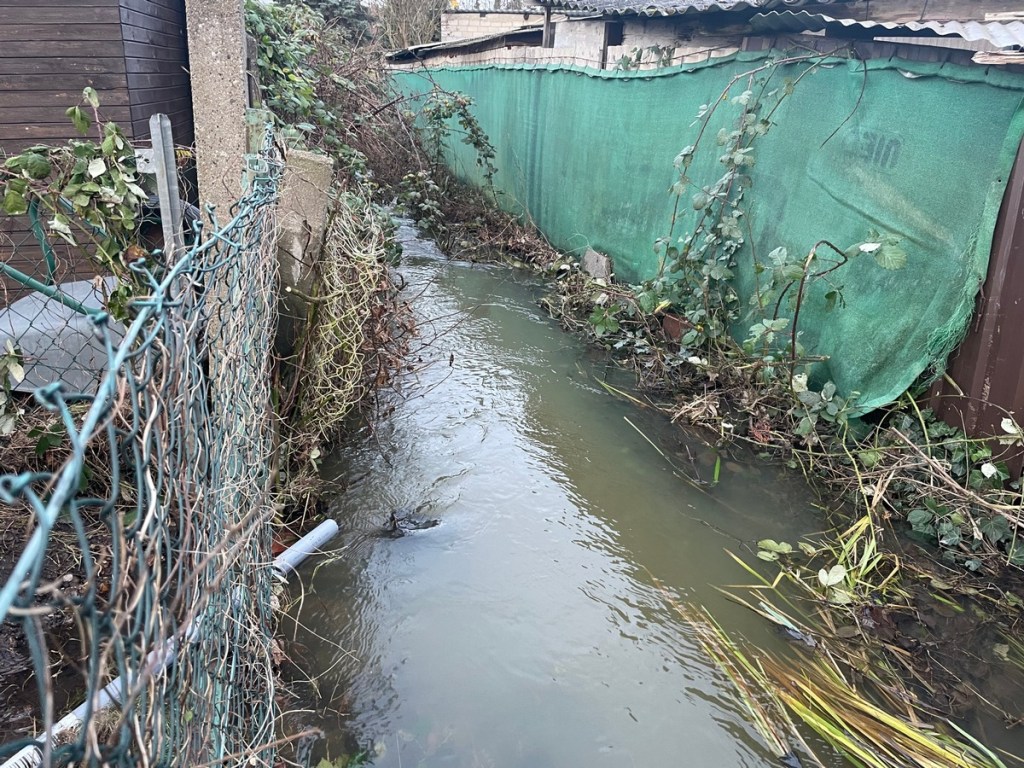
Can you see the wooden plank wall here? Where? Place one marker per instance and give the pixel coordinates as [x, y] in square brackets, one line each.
[133, 52]
[49, 51]
[986, 374]
[156, 64]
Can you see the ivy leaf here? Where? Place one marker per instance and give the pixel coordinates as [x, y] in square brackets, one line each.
[743, 99]
[996, 529]
[891, 256]
[685, 157]
[15, 204]
[80, 120]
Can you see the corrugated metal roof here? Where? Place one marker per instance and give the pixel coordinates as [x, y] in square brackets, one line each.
[1008, 34]
[675, 7]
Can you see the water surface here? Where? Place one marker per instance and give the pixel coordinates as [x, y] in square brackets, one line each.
[536, 625]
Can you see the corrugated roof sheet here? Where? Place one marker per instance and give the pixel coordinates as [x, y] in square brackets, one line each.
[674, 7]
[1008, 34]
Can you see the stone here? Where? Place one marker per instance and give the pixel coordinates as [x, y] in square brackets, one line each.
[597, 265]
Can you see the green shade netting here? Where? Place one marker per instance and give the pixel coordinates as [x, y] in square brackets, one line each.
[918, 152]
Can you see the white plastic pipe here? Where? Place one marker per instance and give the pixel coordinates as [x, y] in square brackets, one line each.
[110, 695]
[312, 542]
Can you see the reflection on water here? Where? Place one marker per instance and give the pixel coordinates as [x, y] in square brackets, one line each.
[531, 628]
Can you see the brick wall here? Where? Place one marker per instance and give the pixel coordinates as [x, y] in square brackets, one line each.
[460, 25]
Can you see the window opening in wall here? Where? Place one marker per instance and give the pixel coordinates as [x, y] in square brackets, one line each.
[613, 35]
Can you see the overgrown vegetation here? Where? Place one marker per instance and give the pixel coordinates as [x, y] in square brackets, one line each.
[331, 95]
[325, 89]
[404, 23]
[744, 364]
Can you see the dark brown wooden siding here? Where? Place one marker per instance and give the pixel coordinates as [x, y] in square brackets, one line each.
[49, 51]
[156, 64]
[133, 52]
[986, 375]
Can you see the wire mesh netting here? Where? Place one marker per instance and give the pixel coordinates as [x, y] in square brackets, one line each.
[161, 501]
[66, 282]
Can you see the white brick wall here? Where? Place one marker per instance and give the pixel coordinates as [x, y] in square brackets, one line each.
[460, 26]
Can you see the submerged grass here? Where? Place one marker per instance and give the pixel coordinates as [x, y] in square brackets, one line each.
[817, 689]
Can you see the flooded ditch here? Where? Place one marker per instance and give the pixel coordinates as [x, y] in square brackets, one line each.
[533, 626]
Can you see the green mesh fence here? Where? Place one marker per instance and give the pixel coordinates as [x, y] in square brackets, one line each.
[918, 152]
[172, 609]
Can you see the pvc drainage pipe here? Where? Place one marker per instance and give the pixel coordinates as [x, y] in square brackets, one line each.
[110, 695]
[312, 542]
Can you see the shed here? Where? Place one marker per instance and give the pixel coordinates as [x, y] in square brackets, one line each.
[133, 52]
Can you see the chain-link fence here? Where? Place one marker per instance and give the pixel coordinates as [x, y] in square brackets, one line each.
[138, 525]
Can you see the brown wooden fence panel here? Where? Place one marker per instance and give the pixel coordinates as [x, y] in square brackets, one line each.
[49, 51]
[987, 371]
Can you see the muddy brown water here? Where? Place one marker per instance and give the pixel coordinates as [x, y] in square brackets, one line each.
[533, 627]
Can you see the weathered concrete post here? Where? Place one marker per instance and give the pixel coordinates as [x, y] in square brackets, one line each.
[217, 60]
[302, 222]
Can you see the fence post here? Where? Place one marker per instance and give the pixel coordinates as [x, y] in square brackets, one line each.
[167, 185]
[217, 62]
[302, 221]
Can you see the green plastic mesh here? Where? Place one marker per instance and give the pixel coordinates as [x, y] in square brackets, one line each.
[920, 152]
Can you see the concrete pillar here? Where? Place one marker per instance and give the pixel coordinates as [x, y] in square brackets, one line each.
[302, 223]
[302, 216]
[217, 61]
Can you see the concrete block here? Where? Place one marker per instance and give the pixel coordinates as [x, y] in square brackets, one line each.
[597, 265]
[302, 215]
[302, 224]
